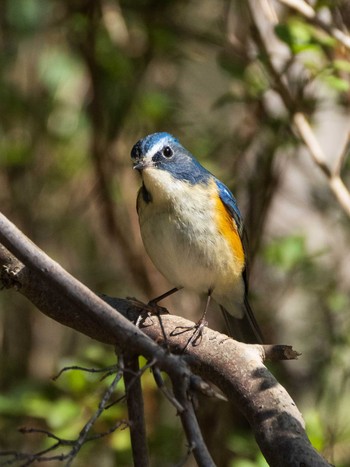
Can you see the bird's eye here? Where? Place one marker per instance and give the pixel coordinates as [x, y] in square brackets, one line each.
[167, 152]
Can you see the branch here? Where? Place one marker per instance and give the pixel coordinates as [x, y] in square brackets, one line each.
[134, 399]
[336, 184]
[236, 368]
[78, 307]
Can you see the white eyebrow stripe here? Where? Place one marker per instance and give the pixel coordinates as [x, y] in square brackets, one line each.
[155, 148]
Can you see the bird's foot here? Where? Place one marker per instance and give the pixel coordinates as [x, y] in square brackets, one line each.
[197, 334]
[146, 310]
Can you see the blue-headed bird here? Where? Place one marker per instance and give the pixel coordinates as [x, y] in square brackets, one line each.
[193, 231]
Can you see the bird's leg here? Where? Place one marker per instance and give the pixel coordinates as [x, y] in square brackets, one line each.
[152, 304]
[198, 327]
[202, 323]
[158, 310]
[152, 307]
[155, 301]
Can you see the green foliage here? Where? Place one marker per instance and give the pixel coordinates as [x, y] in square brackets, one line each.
[286, 252]
[25, 16]
[314, 427]
[303, 38]
[154, 107]
[241, 444]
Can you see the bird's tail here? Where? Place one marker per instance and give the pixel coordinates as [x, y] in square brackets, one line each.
[245, 329]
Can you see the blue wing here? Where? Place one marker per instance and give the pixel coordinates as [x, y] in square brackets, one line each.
[231, 205]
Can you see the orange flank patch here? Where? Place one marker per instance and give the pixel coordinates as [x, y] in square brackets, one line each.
[227, 228]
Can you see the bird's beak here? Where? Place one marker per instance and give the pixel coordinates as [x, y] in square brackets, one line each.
[142, 164]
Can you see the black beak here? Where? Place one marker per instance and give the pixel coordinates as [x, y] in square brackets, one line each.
[142, 164]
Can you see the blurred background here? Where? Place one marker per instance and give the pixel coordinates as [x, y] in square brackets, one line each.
[80, 82]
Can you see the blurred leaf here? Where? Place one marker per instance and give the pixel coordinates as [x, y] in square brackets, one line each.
[256, 80]
[120, 440]
[32, 403]
[336, 83]
[226, 98]
[295, 34]
[232, 64]
[26, 15]
[241, 445]
[15, 152]
[154, 106]
[300, 36]
[342, 65]
[62, 413]
[164, 39]
[243, 463]
[286, 252]
[314, 429]
[337, 301]
[58, 67]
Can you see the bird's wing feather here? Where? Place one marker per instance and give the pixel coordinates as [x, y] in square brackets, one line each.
[231, 205]
[247, 328]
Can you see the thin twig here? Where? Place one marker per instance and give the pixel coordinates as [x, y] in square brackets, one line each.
[190, 424]
[136, 375]
[342, 156]
[161, 385]
[101, 407]
[336, 184]
[109, 370]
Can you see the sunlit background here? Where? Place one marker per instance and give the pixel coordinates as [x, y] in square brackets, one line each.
[80, 82]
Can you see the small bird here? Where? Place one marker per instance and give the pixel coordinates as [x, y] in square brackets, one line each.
[193, 231]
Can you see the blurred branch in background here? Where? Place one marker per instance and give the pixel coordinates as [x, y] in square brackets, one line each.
[280, 83]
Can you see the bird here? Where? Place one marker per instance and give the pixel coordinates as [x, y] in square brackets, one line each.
[193, 231]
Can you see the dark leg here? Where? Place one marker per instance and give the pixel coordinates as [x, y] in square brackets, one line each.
[152, 304]
[152, 307]
[154, 301]
[198, 327]
[155, 309]
[202, 322]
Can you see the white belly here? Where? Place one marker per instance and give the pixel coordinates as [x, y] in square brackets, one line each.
[180, 251]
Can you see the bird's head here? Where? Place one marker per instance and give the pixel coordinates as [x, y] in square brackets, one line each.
[162, 152]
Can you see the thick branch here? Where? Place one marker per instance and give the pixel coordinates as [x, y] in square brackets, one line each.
[83, 305]
[235, 367]
[134, 400]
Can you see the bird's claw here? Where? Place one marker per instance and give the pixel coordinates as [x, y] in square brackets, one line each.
[197, 335]
[146, 309]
